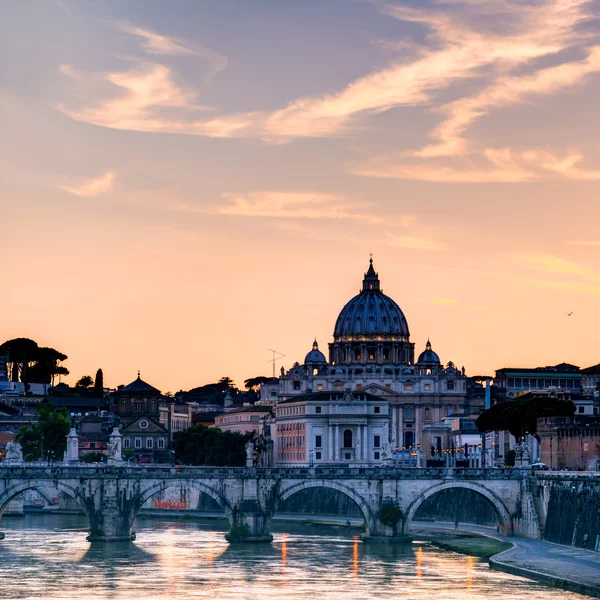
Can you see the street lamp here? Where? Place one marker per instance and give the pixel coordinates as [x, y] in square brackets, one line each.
[311, 460]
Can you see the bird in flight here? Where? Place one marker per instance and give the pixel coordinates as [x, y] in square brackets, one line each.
[569, 314]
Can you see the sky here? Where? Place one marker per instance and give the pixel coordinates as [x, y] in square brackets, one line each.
[187, 184]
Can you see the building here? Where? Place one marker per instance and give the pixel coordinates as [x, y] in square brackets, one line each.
[564, 377]
[246, 419]
[148, 420]
[349, 428]
[590, 380]
[372, 353]
[571, 443]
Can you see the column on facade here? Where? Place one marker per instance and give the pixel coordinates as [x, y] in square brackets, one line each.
[335, 443]
[400, 438]
[365, 454]
[418, 409]
[330, 456]
[363, 353]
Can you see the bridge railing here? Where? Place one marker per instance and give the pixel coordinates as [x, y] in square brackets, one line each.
[160, 471]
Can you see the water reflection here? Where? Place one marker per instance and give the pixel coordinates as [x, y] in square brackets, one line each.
[48, 557]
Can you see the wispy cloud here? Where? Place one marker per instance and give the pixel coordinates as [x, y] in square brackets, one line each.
[498, 46]
[155, 43]
[444, 301]
[92, 187]
[303, 205]
[414, 242]
[550, 263]
[591, 243]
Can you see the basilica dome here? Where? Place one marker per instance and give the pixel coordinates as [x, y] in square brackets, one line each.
[371, 313]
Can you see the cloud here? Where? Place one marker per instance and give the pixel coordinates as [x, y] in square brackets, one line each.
[414, 242]
[92, 187]
[492, 165]
[444, 301]
[155, 43]
[550, 263]
[495, 45]
[303, 205]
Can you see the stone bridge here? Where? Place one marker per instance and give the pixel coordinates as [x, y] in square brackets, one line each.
[111, 496]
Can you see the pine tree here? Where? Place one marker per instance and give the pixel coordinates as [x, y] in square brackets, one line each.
[99, 384]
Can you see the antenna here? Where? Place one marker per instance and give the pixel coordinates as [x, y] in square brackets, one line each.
[276, 355]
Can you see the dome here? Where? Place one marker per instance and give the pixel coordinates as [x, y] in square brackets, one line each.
[371, 312]
[315, 356]
[428, 356]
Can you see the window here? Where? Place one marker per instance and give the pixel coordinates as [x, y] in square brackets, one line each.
[427, 414]
[408, 413]
[318, 443]
[347, 438]
[409, 439]
[358, 386]
[376, 455]
[161, 443]
[581, 409]
[371, 355]
[347, 455]
[137, 442]
[126, 443]
[124, 405]
[408, 387]
[319, 387]
[296, 385]
[318, 410]
[273, 394]
[427, 387]
[318, 455]
[377, 441]
[377, 409]
[139, 406]
[149, 442]
[388, 386]
[450, 385]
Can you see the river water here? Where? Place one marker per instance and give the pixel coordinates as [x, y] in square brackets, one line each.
[47, 556]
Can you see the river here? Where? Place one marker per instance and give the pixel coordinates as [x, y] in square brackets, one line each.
[47, 556]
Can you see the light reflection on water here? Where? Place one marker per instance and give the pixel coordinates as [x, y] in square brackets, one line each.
[47, 556]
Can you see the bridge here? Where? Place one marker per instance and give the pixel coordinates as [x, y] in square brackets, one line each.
[111, 496]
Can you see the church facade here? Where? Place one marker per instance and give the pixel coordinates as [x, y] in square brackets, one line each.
[372, 353]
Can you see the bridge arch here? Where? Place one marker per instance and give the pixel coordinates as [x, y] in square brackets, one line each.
[156, 488]
[286, 492]
[502, 514]
[19, 488]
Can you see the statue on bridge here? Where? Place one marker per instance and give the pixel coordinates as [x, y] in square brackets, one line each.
[115, 443]
[72, 451]
[14, 454]
[249, 453]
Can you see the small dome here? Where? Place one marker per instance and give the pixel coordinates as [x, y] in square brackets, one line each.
[429, 356]
[315, 356]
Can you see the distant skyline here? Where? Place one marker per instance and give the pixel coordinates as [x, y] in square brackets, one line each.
[186, 184]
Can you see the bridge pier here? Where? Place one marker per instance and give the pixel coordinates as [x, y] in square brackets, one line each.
[250, 524]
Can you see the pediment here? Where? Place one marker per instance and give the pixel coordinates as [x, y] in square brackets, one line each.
[136, 426]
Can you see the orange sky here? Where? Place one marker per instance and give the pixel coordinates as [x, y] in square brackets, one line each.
[182, 189]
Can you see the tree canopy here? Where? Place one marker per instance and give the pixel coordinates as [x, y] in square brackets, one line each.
[99, 384]
[519, 416]
[253, 383]
[30, 363]
[47, 439]
[85, 382]
[201, 445]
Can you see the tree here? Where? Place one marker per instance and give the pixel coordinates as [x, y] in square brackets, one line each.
[519, 416]
[46, 366]
[85, 382]
[21, 351]
[48, 437]
[254, 383]
[201, 445]
[99, 384]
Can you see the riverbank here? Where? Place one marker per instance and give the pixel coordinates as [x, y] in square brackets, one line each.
[472, 544]
[564, 567]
